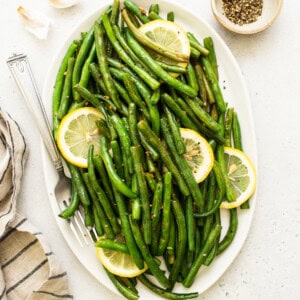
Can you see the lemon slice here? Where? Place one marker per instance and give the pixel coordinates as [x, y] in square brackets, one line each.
[76, 132]
[199, 154]
[118, 263]
[242, 176]
[170, 36]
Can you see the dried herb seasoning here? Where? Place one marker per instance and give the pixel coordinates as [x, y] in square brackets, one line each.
[242, 11]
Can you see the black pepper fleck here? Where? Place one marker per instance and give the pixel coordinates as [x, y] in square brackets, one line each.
[242, 11]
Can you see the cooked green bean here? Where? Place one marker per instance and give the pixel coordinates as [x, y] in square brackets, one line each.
[191, 77]
[115, 12]
[166, 211]
[209, 45]
[229, 236]
[80, 187]
[211, 76]
[136, 11]
[85, 73]
[181, 241]
[208, 121]
[124, 139]
[113, 175]
[189, 279]
[221, 191]
[58, 86]
[80, 59]
[67, 90]
[124, 290]
[175, 130]
[143, 193]
[228, 126]
[190, 224]
[112, 245]
[103, 64]
[163, 293]
[74, 204]
[196, 44]
[136, 210]
[170, 16]
[236, 132]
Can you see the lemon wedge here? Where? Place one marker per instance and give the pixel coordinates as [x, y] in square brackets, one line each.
[242, 176]
[199, 154]
[119, 263]
[78, 130]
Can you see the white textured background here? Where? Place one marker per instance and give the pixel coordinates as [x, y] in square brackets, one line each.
[268, 266]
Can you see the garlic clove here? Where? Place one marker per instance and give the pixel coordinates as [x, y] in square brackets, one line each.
[63, 3]
[35, 22]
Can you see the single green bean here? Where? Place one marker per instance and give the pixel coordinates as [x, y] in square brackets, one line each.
[221, 192]
[181, 241]
[141, 14]
[191, 77]
[74, 204]
[209, 45]
[190, 224]
[113, 175]
[143, 193]
[203, 116]
[170, 16]
[166, 211]
[124, 139]
[80, 186]
[67, 90]
[228, 126]
[112, 245]
[85, 73]
[230, 234]
[104, 70]
[163, 293]
[196, 44]
[175, 130]
[115, 12]
[124, 290]
[200, 79]
[189, 279]
[80, 59]
[58, 86]
[211, 76]
[236, 132]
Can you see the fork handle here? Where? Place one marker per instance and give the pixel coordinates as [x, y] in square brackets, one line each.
[21, 71]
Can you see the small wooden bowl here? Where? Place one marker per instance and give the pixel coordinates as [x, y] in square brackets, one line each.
[270, 11]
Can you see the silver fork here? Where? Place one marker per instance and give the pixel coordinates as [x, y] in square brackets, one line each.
[21, 71]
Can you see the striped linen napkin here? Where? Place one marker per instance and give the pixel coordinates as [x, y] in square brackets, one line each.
[28, 267]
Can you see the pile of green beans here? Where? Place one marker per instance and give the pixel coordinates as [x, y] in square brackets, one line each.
[139, 185]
